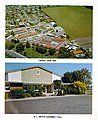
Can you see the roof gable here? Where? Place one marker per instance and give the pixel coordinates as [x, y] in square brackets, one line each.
[34, 68]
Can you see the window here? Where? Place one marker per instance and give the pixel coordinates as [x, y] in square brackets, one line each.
[37, 72]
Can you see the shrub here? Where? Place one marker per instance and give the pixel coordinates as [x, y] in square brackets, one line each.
[40, 90]
[9, 45]
[72, 90]
[27, 44]
[35, 92]
[30, 90]
[6, 96]
[17, 93]
[51, 51]
[77, 88]
[43, 95]
[19, 47]
[28, 95]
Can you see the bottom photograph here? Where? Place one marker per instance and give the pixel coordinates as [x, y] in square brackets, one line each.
[48, 88]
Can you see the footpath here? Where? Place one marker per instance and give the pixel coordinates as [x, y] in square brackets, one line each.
[41, 97]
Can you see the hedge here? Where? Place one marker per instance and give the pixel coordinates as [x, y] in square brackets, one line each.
[17, 93]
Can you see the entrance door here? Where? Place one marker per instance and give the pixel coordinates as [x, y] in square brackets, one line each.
[48, 88]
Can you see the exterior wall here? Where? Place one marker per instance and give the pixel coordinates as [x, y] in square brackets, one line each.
[55, 77]
[36, 75]
[14, 76]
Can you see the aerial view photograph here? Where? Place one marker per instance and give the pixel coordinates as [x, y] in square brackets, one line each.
[48, 31]
[45, 88]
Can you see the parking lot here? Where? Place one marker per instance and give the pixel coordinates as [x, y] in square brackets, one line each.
[73, 104]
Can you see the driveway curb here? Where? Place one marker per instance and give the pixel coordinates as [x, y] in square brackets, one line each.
[46, 97]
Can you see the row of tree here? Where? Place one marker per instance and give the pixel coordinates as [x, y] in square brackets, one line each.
[64, 53]
[76, 88]
[82, 75]
[79, 81]
[20, 47]
[43, 50]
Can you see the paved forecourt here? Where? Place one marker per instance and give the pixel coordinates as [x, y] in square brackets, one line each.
[69, 104]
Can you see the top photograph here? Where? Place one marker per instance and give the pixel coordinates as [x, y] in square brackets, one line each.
[48, 31]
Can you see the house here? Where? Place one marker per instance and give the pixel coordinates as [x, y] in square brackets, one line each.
[35, 75]
[9, 37]
[58, 29]
[52, 24]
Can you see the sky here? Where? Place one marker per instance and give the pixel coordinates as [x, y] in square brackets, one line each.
[59, 68]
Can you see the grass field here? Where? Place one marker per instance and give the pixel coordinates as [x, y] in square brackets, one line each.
[76, 20]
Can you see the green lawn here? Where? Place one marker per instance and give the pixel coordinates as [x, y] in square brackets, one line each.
[76, 20]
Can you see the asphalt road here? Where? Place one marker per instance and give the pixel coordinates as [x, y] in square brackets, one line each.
[14, 54]
[53, 105]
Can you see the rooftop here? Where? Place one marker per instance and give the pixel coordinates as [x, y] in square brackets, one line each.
[33, 68]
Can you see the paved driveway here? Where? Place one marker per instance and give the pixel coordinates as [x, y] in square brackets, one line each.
[52, 105]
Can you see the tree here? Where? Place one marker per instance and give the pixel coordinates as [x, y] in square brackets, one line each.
[12, 33]
[86, 76]
[51, 51]
[77, 75]
[81, 86]
[57, 85]
[27, 44]
[62, 49]
[64, 53]
[90, 7]
[40, 8]
[82, 75]
[31, 90]
[19, 47]
[9, 45]
[67, 78]
[41, 49]
[24, 53]
[15, 41]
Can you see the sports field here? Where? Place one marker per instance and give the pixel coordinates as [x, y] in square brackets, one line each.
[76, 20]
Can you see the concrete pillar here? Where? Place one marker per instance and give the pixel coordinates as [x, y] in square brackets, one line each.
[52, 88]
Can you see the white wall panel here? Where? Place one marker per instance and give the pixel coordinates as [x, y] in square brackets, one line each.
[14, 76]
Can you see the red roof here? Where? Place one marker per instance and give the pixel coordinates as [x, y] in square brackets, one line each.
[49, 46]
[47, 40]
[59, 39]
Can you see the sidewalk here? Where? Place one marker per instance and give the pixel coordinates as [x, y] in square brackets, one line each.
[41, 97]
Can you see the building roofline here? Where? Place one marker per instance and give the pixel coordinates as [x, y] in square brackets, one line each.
[40, 68]
[33, 68]
[10, 71]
